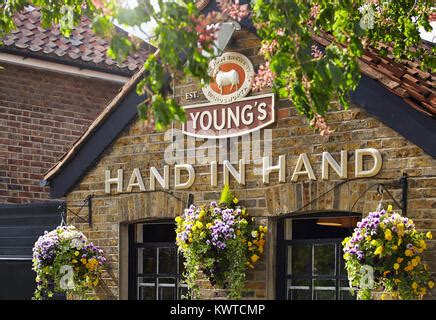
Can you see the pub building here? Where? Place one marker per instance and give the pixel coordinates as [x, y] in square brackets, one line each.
[124, 184]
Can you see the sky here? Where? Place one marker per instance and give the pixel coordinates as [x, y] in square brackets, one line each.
[146, 30]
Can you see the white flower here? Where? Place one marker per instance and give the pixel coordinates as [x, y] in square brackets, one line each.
[367, 20]
[254, 234]
[76, 243]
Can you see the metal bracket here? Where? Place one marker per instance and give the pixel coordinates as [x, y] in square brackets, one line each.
[404, 185]
[86, 202]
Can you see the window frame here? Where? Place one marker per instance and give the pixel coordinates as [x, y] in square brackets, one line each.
[282, 275]
[135, 275]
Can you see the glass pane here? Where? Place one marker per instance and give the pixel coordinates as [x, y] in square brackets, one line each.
[167, 288]
[299, 259]
[345, 291]
[324, 259]
[181, 264]
[146, 260]
[324, 289]
[183, 292]
[288, 229]
[342, 270]
[139, 236]
[167, 261]
[146, 289]
[299, 289]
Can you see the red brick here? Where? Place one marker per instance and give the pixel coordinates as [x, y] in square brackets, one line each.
[43, 114]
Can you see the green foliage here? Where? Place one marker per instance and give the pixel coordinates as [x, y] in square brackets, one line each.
[391, 246]
[220, 241]
[312, 78]
[226, 197]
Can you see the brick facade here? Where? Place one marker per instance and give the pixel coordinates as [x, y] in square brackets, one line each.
[291, 136]
[42, 113]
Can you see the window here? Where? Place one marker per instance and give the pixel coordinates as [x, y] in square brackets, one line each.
[155, 266]
[310, 264]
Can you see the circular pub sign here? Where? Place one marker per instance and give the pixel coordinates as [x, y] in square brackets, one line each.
[231, 75]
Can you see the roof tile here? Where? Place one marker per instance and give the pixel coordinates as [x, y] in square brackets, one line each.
[84, 46]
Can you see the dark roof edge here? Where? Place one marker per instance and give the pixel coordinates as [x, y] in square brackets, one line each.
[95, 144]
[394, 112]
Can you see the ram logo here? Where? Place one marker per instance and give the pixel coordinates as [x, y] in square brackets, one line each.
[231, 78]
[224, 78]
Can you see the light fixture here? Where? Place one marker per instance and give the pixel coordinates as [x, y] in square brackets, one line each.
[343, 222]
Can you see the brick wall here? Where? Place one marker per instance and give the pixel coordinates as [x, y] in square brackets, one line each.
[41, 114]
[291, 136]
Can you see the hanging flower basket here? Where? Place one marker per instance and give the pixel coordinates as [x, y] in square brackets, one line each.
[384, 260]
[222, 241]
[64, 261]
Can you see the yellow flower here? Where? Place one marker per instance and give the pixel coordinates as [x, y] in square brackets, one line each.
[408, 253]
[83, 260]
[208, 225]
[414, 285]
[178, 219]
[382, 225]
[254, 258]
[399, 260]
[395, 247]
[422, 244]
[368, 238]
[74, 261]
[388, 235]
[429, 235]
[76, 253]
[235, 200]
[396, 266]
[95, 283]
[408, 268]
[389, 208]
[400, 229]
[250, 243]
[203, 234]
[260, 249]
[374, 243]
[378, 251]
[399, 241]
[238, 232]
[414, 262]
[431, 284]
[199, 225]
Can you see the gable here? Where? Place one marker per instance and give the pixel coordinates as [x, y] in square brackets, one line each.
[372, 95]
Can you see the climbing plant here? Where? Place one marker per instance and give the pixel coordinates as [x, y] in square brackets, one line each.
[296, 66]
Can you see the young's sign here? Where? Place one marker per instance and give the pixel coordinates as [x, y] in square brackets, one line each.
[211, 120]
[232, 74]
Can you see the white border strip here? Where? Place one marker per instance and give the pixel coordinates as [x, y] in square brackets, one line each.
[58, 67]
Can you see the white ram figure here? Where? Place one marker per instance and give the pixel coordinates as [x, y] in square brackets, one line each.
[224, 78]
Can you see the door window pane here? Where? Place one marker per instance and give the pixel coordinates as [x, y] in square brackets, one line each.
[147, 260]
[146, 288]
[299, 289]
[324, 259]
[324, 289]
[345, 291]
[167, 288]
[299, 260]
[167, 260]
